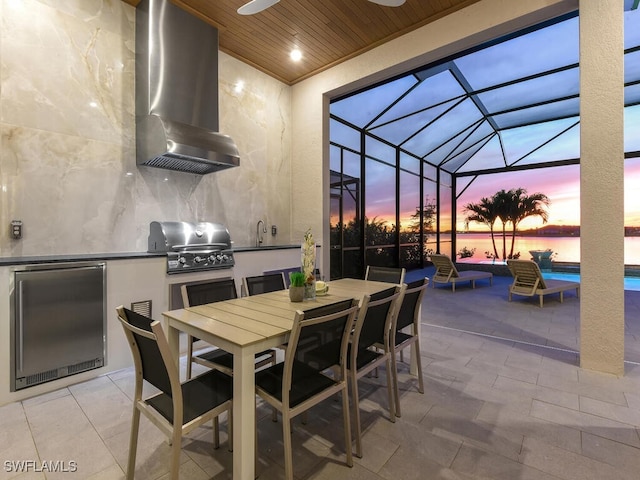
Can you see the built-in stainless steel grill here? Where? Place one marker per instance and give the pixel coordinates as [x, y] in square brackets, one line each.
[192, 247]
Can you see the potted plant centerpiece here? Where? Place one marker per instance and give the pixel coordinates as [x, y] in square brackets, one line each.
[296, 289]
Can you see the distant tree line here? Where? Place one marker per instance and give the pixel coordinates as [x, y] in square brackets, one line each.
[511, 207]
[379, 232]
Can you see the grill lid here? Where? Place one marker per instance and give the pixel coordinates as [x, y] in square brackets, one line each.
[174, 236]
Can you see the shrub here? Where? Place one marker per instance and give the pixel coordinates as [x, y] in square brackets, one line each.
[466, 253]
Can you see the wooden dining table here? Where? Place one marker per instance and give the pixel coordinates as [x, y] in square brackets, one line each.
[243, 327]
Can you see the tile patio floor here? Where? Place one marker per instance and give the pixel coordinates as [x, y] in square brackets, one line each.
[497, 406]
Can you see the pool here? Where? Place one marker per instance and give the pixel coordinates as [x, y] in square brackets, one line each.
[630, 283]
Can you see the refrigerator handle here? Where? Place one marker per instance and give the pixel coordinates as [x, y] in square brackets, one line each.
[20, 342]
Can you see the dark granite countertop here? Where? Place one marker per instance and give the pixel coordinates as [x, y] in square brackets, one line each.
[264, 247]
[93, 257]
[81, 257]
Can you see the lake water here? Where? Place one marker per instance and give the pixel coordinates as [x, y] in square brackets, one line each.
[567, 249]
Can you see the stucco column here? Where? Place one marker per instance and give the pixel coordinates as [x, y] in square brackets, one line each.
[601, 186]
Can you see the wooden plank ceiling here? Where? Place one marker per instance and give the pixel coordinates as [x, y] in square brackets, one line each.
[326, 31]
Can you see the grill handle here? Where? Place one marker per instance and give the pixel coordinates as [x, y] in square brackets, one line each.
[194, 246]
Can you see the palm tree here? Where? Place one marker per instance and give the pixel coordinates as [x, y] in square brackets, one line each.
[483, 212]
[524, 206]
[511, 206]
[503, 207]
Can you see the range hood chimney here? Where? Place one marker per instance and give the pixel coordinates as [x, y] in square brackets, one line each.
[177, 92]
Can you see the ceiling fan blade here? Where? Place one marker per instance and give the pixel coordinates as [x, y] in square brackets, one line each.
[389, 3]
[255, 6]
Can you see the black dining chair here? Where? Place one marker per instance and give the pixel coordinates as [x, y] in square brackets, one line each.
[370, 348]
[179, 407]
[313, 370]
[210, 292]
[405, 331]
[385, 274]
[270, 282]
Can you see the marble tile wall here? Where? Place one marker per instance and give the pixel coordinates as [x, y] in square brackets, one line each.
[67, 139]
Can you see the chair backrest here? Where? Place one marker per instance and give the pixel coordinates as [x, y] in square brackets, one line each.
[144, 335]
[375, 318]
[384, 274]
[264, 283]
[285, 271]
[526, 274]
[318, 341]
[411, 300]
[444, 266]
[208, 292]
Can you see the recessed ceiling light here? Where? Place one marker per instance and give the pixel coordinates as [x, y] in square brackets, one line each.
[296, 55]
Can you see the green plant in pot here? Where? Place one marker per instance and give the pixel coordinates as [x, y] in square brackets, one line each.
[296, 289]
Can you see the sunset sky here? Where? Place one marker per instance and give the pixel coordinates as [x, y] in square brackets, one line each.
[560, 184]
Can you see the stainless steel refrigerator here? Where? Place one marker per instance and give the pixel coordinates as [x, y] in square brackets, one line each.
[58, 321]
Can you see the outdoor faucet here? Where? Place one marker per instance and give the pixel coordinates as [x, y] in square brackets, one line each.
[259, 238]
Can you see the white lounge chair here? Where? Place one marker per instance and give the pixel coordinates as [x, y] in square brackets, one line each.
[528, 281]
[446, 272]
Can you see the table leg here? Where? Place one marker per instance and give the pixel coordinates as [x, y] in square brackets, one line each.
[244, 416]
[173, 337]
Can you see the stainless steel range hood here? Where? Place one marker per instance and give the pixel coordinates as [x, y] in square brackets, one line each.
[177, 92]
